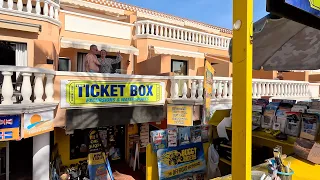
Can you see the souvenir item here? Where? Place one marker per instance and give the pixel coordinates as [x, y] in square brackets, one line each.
[293, 123]
[172, 137]
[184, 136]
[195, 134]
[310, 126]
[158, 139]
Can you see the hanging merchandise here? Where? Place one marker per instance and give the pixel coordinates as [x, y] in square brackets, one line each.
[196, 134]
[158, 139]
[96, 158]
[213, 161]
[144, 135]
[184, 135]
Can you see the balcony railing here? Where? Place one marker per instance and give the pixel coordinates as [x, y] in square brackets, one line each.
[191, 88]
[151, 29]
[40, 8]
[25, 85]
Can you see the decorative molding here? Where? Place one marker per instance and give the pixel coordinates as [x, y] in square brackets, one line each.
[27, 108]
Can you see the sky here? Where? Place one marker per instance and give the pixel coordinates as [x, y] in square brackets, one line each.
[214, 12]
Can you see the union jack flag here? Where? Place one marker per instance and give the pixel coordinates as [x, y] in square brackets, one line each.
[6, 122]
[6, 135]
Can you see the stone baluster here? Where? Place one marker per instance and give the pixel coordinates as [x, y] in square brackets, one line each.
[51, 11]
[306, 90]
[157, 30]
[184, 89]
[230, 89]
[7, 88]
[263, 89]
[298, 89]
[289, 89]
[165, 32]
[147, 29]
[193, 89]
[143, 29]
[286, 90]
[282, 89]
[46, 8]
[170, 32]
[161, 30]
[254, 89]
[38, 88]
[200, 89]
[10, 4]
[19, 5]
[259, 89]
[189, 36]
[174, 33]
[219, 90]
[193, 40]
[279, 89]
[295, 89]
[197, 39]
[270, 89]
[207, 39]
[138, 29]
[185, 35]
[1, 3]
[209, 42]
[56, 13]
[214, 89]
[225, 89]
[29, 6]
[49, 88]
[267, 92]
[38, 8]
[26, 88]
[152, 29]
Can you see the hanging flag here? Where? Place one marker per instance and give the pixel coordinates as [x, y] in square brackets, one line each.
[208, 83]
[10, 127]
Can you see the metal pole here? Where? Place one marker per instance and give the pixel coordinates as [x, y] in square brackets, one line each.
[242, 89]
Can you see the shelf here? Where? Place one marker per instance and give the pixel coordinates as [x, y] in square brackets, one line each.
[225, 161]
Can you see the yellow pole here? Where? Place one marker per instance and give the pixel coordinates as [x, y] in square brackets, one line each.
[242, 89]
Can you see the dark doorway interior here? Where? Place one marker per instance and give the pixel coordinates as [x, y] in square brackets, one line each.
[21, 159]
[7, 56]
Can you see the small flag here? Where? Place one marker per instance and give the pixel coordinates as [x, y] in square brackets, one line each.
[6, 122]
[6, 135]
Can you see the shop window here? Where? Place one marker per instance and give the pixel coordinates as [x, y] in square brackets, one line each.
[64, 64]
[179, 67]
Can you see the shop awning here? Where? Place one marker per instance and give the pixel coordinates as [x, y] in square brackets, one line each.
[82, 44]
[218, 58]
[177, 52]
[282, 44]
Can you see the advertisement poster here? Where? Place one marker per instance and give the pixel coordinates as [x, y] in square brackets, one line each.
[78, 93]
[310, 6]
[208, 83]
[10, 127]
[180, 115]
[38, 123]
[96, 158]
[186, 161]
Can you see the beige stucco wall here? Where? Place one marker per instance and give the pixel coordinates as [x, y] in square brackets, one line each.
[39, 45]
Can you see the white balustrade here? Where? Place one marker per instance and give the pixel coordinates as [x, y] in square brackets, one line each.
[191, 88]
[50, 7]
[29, 85]
[179, 34]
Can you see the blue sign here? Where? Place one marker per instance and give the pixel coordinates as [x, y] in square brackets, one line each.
[310, 6]
[11, 121]
[186, 161]
[10, 127]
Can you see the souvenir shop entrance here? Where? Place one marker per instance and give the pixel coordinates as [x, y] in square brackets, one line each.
[122, 135]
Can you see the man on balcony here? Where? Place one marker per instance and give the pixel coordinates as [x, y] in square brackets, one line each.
[92, 63]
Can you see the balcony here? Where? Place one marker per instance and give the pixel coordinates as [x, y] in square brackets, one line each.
[165, 32]
[189, 89]
[24, 89]
[47, 10]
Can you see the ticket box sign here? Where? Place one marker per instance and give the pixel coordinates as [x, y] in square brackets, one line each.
[180, 115]
[78, 93]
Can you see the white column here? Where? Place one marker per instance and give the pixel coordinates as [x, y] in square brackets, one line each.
[1, 3]
[29, 6]
[38, 88]
[51, 11]
[267, 89]
[193, 89]
[46, 8]
[26, 89]
[49, 89]
[41, 157]
[19, 5]
[152, 29]
[38, 8]
[157, 30]
[10, 4]
[176, 89]
[170, 33]
[56, 13]
[184, 89]
[200, 89]
[230, 89]
[7, 88]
